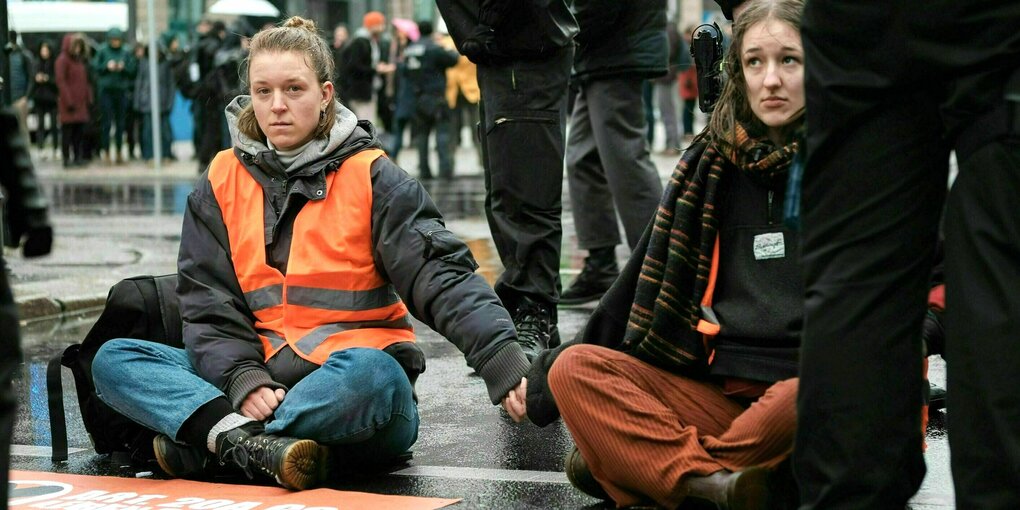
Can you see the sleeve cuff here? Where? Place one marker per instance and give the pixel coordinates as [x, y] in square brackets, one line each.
[503, 372]
[246, 382]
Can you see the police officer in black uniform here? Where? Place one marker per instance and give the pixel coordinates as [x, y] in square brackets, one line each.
[892, 88]
[25, 215]
[524, 51]
[423, 71]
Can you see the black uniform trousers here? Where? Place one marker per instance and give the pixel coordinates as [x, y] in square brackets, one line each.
[523, 118]
[10, 360]
[891, 89]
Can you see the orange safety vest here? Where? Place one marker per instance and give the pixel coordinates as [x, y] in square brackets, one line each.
[332, 297]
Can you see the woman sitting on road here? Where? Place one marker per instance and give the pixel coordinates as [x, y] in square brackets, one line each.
[685, 385]
[303, 251]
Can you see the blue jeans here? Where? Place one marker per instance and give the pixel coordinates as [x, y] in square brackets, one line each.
[359, 400]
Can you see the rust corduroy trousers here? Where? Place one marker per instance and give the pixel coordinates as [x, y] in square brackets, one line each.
[642, 429]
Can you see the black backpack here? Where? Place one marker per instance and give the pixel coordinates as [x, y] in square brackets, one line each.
[142, 307]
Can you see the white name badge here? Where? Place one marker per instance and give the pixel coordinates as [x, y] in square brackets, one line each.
[769, 246]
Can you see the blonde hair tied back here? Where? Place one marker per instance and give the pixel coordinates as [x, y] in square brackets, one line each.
[301, 36]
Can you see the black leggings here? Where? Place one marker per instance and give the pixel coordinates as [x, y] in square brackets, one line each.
[73, 139]
[41, 112]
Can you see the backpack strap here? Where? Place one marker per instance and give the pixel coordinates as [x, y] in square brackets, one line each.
[58, 423]
[147, 288]
[166, 293]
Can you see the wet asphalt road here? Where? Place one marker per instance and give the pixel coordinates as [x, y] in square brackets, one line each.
[108, 228]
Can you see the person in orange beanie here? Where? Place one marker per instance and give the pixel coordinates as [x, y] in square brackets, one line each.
[364, 66]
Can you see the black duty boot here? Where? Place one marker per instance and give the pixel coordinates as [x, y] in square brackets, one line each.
[580, 476]
[179, 460]
[741, 490]
[536, 327]
[293, 463]
[597, 275]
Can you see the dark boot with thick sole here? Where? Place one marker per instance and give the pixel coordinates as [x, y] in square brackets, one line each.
[597, 275]
[180, 460]
[294, 463]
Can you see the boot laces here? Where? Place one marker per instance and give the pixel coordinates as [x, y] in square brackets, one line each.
[532, 327]
[253, 453]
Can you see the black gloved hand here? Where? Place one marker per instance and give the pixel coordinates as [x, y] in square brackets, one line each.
[38, 242]
[478, 47]
[34, 227]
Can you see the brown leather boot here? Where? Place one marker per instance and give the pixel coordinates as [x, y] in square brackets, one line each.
[742, 490]
[580, 476]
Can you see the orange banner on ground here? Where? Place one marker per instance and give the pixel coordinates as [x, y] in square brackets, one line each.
[33, 489]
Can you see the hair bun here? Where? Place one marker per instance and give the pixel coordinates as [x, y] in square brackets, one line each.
[299, 22]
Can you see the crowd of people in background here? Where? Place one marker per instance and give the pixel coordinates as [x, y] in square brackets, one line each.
[711, 304]
[85, 99]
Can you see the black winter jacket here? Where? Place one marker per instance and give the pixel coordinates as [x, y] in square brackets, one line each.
[356, 82]
[431, 270]
[620, 39]
[424, 65]
[44, 93]
[489, 31]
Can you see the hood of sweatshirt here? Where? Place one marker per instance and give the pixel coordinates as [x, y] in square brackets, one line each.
[344, 139]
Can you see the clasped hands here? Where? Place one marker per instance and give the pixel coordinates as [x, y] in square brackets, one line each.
[516, 401]
[261, 403]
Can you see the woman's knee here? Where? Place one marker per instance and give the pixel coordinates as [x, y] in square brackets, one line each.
[572, 368]
[109, 360]
[372, 370]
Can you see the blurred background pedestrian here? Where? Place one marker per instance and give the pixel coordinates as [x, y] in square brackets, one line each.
[74, 100]
[609, 168]
[115, 67]
[44, 99]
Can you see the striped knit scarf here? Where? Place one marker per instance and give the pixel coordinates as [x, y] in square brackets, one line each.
[674, 274]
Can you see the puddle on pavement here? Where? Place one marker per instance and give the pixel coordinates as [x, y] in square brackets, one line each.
[122, 198]
[459, 198]
[41, 341]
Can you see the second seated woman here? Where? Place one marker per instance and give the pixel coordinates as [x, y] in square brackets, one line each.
[684, 384]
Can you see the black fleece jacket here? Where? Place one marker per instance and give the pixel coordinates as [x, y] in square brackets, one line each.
[488, 31]
[620, 39]
[758, 302]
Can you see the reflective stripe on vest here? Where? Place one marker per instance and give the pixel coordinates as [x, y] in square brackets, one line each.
[332, 297]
